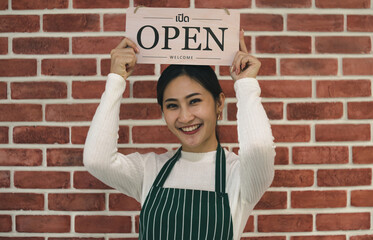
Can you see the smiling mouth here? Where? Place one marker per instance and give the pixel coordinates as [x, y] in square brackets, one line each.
[190, 129]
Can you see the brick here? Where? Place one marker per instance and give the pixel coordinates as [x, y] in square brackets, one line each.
[314, 111]
[283, 3]
[3, 90]
[68, 67]
[41, 134]
[283, 44]
[319, 237]
[5, 223]
[318, 199]
[163, 3]
[308, 66]
[79, 134]
[70, 112]
[88, 89]
[4, 4]
[76, 202]
[4, 134]
[272, 200]
[282, 156]
[20, 112]
[262, 22]
[140, 111]
[343, 45]
[4, 179]
[342, 221]
[343, 88]
[64, 157]
[41, 45]
[74, 238]
[21, 201]
[293, 178]
[11, 67]
[121, 202]
[249, 227]
[71, 23]
[268, 67]
[223, 4]
[84, 180]
[360, 23]
[362, 198]
[3, 45]
[291, 133]
[43, 224]
[286, 88]
[362, 155]
[100, 4]
[145, 89]
[357, 66]
[152, 134]
[103, 224]
[19, 23]
[274, 110]
[342, 132]
[315, 23]
[228, 134]
[39, 4]
[42, 180]
[344, 177]
[94, 45]
[38, 90]
[127, 151]
[360, 110]
[320, 155]
[285, 223]
[264, 238]
[92, 89]
[342, 4]
[114, 22]
[362, 237]
[20, 157]
[140, 69]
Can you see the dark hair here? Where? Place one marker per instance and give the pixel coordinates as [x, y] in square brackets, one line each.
[204, 75]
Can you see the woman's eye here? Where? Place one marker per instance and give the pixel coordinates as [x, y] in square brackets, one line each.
[194, 101]
[171, 106]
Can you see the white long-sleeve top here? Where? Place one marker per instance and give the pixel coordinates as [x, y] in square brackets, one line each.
[247, 175]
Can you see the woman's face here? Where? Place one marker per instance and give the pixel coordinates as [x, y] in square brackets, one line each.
[190, 112]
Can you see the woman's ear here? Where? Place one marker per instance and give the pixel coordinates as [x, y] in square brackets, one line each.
[220, 103]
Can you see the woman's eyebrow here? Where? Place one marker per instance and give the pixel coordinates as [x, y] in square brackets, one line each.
[188, 96]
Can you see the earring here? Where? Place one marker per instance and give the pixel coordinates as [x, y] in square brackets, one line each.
[220, 116]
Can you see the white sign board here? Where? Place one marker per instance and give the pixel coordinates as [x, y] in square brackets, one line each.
[183, 35]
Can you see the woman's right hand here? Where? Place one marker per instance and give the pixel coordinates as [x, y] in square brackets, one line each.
[123, 58]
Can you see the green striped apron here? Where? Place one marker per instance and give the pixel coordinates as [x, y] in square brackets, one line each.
[172, 213]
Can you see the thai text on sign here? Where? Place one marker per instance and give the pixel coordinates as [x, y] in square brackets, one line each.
[184, 36]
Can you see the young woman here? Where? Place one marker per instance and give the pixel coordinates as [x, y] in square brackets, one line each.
[199, 191]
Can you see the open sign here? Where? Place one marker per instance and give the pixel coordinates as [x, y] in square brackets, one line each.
[184, 36]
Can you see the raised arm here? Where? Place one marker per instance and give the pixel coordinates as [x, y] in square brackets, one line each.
[101, 156]
[254, 132]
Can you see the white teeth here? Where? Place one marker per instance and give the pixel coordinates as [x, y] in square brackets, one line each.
[189, 129]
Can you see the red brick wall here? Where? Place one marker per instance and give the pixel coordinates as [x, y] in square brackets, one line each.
[316, 80]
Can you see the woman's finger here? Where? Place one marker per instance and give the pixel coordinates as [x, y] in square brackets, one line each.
[242, 42]
[125, 43]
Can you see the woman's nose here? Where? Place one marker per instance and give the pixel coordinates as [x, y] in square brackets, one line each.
[185, 115]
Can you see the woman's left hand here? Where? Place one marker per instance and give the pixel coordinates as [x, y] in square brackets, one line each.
[244, 65]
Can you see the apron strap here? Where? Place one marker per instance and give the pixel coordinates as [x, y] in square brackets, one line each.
[166, 169]
[220, 170]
